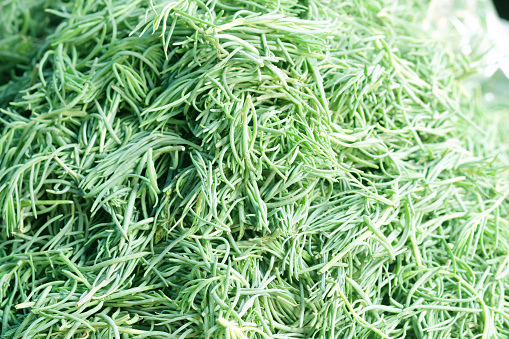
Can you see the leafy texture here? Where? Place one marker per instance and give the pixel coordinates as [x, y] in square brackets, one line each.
[246, 169]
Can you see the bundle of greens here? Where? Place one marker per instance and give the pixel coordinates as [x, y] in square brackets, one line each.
[245, 169]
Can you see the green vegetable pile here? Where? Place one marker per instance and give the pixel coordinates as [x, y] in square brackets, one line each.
[245, 169]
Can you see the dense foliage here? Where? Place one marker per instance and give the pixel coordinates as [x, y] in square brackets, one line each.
[245, 169]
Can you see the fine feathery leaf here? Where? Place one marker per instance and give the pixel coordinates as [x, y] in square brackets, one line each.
[246, 169]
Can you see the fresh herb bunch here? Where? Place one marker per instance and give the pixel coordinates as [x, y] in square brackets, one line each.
[247, 169]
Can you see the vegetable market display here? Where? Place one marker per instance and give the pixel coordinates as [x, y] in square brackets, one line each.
[245, 169]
